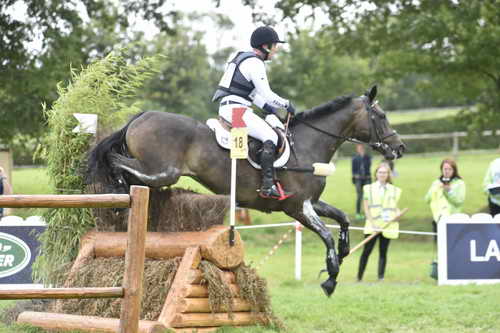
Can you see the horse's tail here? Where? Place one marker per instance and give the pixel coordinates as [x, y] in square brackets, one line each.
[100, 170]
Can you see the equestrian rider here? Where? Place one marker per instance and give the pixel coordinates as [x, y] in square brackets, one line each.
[245, 83]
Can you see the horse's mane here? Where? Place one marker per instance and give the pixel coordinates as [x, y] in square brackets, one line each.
[323, 109]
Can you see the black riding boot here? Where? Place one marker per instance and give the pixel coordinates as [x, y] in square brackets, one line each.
[268, 189]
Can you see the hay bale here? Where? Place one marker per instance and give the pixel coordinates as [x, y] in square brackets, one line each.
[158, 277]
[108, 272]
[170, 210]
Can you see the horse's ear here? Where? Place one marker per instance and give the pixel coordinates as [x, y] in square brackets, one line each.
[373, 93]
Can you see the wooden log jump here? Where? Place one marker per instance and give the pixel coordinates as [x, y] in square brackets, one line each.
[186, 306]
[213, 245]
[131, 291]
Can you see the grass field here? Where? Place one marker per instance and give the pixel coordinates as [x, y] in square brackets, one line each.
[406, 301]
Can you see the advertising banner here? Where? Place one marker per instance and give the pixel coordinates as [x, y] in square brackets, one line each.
[468, 250]
[19, 247]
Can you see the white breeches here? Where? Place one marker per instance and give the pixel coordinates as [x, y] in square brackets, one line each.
[257, 127]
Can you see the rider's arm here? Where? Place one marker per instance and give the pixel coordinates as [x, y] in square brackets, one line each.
[255, 71]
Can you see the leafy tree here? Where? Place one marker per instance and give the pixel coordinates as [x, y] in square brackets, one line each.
[28, 76]
[312, 72]
[452, 41]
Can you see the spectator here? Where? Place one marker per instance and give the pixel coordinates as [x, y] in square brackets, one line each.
[492, 186]
[5, 187]
[361, 164]
[446, 195]
[380, 201]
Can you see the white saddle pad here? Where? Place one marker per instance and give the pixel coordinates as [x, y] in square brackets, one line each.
[223, 137]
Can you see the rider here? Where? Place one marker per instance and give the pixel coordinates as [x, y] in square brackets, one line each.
[245, 83]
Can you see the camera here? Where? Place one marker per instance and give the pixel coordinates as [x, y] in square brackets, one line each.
[445, 181]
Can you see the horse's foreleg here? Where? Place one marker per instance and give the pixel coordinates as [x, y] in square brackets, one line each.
[325, 210]
[311, 220]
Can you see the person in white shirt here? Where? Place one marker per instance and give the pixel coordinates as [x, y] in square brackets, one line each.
[245, 83]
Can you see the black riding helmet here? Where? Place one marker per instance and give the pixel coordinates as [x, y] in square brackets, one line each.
[262, 36]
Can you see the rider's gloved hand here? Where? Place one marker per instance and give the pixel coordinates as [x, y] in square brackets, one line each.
[269, 109]
[291, 109]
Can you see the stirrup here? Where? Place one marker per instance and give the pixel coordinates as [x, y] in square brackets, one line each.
[276, 192]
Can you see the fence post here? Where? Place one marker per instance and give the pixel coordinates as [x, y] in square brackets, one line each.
[134, 259]
[455, 145]
[298, 251]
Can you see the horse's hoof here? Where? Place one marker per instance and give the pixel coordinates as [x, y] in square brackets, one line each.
[329, 286]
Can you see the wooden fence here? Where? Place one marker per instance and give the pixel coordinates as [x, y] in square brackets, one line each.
[453, 135]
[131, 290]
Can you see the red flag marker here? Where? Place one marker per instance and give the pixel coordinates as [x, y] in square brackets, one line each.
[237, 119]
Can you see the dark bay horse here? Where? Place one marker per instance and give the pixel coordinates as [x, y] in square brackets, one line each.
[156, 148]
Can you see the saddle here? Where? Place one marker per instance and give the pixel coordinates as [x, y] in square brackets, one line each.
[222, 128]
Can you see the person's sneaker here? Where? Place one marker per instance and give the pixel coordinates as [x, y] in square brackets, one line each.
[359, 217]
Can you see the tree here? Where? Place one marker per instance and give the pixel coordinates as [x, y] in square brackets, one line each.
[312, 72]
[28, 76]
[452, 41]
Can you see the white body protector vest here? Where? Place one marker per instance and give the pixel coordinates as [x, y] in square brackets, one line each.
[245, 83]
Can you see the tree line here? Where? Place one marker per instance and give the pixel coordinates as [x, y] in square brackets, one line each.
[425, 54]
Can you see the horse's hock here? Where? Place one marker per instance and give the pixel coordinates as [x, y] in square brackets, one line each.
[192, 282]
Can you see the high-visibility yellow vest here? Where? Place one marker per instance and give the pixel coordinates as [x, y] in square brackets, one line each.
[383, 208]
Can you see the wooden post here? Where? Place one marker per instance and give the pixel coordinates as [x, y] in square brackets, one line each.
[134, 259]
[455, 145]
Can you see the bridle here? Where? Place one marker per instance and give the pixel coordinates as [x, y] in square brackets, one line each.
[376, 134]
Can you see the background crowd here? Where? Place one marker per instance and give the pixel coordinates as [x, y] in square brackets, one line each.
[446, 196]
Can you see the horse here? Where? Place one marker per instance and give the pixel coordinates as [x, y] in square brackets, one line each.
[157, 148]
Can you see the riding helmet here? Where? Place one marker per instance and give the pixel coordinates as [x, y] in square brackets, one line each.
[264, 35]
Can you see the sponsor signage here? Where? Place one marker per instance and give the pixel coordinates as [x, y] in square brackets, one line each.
[469, 251]
[19, 247]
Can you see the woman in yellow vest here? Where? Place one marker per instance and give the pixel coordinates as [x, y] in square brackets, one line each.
[446, 195]
[381, 208]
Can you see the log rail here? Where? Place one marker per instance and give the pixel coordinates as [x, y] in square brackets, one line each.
[131, 292]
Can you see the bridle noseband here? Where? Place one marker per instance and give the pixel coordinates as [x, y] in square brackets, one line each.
[376, 134]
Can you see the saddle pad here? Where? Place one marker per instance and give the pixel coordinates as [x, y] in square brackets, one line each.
[223, 138]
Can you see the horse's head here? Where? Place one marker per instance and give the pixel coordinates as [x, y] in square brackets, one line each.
[372, 126]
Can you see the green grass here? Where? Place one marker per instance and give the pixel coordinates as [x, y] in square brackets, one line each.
[406, 301]
[401, 117]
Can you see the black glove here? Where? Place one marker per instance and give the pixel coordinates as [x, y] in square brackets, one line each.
[269, 109]
[291, 109]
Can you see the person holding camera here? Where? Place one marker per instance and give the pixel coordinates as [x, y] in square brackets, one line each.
[5, 188]
[492, 186]
[446, 195]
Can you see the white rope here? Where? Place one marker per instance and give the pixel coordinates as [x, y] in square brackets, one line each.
[265, 225]
[274, 248]
[331, 226]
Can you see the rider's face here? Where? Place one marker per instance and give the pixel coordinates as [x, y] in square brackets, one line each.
[273, 50]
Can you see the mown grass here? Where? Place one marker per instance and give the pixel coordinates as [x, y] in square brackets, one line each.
[406, 301]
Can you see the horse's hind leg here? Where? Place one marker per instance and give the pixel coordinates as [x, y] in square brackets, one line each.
[325, 210]
[311, 220]
[150, 175]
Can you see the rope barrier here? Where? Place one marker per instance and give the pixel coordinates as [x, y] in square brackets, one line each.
[275, 247]
[331, 226]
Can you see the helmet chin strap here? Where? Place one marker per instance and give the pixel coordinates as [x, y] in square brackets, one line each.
[265, 51]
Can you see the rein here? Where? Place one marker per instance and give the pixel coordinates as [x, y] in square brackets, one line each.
[373, 128]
